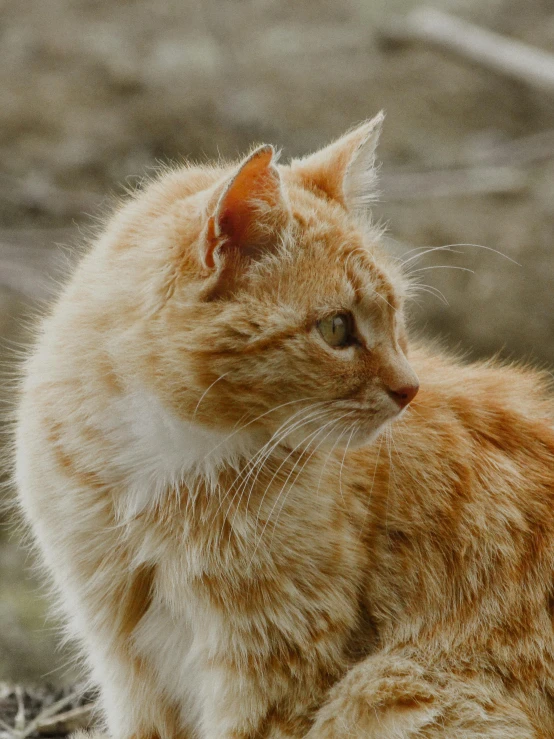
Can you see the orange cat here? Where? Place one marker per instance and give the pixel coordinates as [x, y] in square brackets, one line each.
[238, 552]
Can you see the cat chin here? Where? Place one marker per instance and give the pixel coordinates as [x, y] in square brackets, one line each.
[366, 438]
[365, 433]
[369, 435]
[340, 440]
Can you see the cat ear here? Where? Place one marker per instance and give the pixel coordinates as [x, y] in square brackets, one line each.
[345, 170]
[248, 211]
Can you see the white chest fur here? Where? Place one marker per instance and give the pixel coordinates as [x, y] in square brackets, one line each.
[155, 449]
[170, 647]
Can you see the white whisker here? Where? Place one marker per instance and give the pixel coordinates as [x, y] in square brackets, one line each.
[257, 461]
[262, 415]
[342, 463]
[314, 434]
[368, 502]
[284, 461]
[431, 290]
[443, 266]
[305, 421]
[334, 424]
[206, 391]
[449, 247]
[329, 456]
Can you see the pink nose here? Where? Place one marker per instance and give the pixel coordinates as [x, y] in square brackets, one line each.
[405, 394]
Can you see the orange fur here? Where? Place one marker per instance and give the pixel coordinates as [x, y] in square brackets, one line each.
[242, 543]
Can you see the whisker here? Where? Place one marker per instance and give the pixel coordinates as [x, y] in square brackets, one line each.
[313, 434]
[417, 287]
[282, 495]
[334, 424]
[329, 456]
[449, 247]
[260, 468]
[252, 462]
[443, 266]
[399, 430]
[262, 454]
[207, 391]
[342, 463]
[422, 250]
[372, 486]
[281, 466]
[313, 417]
[262, 415]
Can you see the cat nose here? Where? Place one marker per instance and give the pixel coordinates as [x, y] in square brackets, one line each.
[404, 394]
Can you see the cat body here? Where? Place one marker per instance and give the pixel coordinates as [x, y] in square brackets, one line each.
[237, 546]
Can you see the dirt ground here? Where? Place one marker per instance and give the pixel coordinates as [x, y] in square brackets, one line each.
[93, 93]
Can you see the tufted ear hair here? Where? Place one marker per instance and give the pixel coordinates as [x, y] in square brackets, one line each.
[246, 212]
[345, 170]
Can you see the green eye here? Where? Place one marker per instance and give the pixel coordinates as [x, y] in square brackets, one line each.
[337, 330]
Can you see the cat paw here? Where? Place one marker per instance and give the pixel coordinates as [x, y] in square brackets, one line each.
[397, 698]
[392, 703]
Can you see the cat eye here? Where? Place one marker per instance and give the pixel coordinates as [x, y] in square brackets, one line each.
[337, 330]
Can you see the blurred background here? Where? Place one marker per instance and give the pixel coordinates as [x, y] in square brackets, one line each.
[94, 92]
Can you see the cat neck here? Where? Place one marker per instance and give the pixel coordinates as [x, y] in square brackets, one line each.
[156, 450]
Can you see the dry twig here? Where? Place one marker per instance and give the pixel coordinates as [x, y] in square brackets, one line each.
[66, 722]
[46, 713]
[521, 152]
[503, 55]
[19, 721]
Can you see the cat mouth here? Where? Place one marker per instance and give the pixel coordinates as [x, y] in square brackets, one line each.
[388, 411]
[355, 425]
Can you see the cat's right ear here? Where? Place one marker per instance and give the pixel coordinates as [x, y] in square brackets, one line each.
[245, 215]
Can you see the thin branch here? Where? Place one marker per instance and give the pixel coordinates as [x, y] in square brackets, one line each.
[536, 147]
[68, 721]
[506, 56]
[51, 710]
[19, 721]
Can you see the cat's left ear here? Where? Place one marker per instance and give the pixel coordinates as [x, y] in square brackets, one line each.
[345, 170]
[248, 211]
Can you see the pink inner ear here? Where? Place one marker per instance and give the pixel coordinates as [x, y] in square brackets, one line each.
[236, 221]
[226, 224]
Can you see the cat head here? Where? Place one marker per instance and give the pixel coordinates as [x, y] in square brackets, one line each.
[268, 305]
